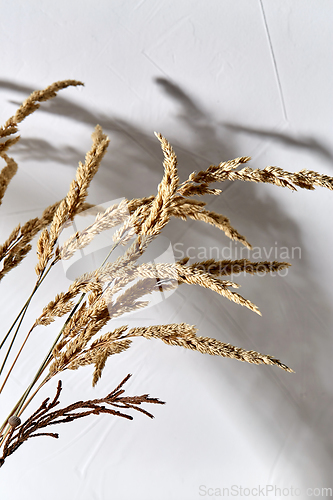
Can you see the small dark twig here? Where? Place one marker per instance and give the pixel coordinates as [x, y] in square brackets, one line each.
[44, 417]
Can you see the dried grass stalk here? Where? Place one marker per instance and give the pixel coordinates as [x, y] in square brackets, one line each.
[31, 104]
[176, 334]
[160, 210]
[184, 335]
[196, 276]
[70, 206]
[211, 174]
[17, 245]
[218, 220]
[30, 229]
[111, 217]
[305, 179]
[7, 173]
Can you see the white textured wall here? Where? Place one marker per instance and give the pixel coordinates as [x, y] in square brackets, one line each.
[219, 79]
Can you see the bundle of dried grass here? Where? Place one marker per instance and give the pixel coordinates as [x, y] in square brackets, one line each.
[123, 286]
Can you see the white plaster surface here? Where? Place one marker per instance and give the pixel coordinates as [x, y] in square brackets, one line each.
[219, 79]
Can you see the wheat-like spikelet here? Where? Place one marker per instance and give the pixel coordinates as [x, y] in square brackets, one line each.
[149, 223]
[10, 127]
[111, 217]
[211, 174]
[77, 193]
[184, 335]
[17, 245]
[61, 305]
[195, 276]
[182, 208]
[14, 259]
[305, 179]
[6, 174]
[4, 248]
[18, 251]
[4, 146]
[31, 104]
[176, 334]
[100, 360]
[197, 212]
[160, 210]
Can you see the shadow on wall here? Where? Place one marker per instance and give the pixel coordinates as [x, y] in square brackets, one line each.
[301, 401]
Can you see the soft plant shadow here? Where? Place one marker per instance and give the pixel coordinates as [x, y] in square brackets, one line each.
[305, 142]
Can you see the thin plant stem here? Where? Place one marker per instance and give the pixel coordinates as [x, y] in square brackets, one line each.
[45, 362]
[23, 310]
[20, 403]
[22, 314]
[17, 317]
[11, 246]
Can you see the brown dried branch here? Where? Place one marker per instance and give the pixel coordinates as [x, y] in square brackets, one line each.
[44, 417]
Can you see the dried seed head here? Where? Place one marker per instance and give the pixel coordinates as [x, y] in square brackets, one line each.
[14, 421]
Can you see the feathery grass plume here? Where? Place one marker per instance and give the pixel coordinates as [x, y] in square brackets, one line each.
[10, 127]
[63, 301]
[20, 238]
[4, 146]
[111, 217]
[160, 210]
[5, 247]
[218, 220]
[196, 276]
[6, 174]
[43, 417]
[176, 334]
[79, 330]
[305, 179]
[31, 104]
[61, 305]
[77, 193]
[181, 208]
[184, 335]
[211, 174]
[13, 259]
